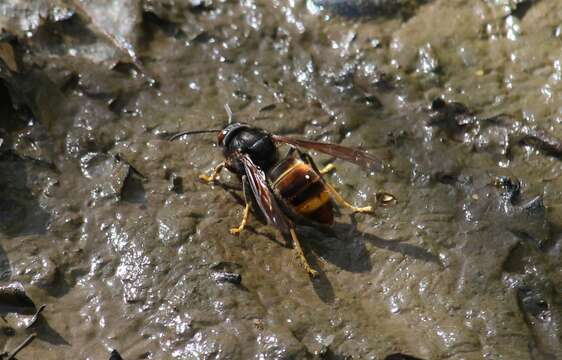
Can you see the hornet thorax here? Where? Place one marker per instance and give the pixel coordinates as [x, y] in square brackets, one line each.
[245, 139]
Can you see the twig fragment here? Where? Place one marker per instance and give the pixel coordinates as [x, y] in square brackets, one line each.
[22, 346]
[36, 316]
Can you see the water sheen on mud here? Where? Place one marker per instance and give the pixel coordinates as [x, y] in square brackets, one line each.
[105, 222]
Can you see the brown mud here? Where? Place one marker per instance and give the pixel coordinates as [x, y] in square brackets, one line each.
[104, 221]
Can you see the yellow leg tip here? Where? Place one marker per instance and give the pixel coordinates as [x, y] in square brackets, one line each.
[299, 254]
[214, 176]
[366, 209]
[326, 169]
[206, 178]
[304, 263]
[238, 230]
[235, 231]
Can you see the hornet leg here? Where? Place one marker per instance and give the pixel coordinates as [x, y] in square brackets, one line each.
[342, 202]
[326, 169]
[335, 194]
[214, 176]
[300, 254]
[238, 230]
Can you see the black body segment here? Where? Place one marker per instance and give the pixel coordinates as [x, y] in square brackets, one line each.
[256, 143]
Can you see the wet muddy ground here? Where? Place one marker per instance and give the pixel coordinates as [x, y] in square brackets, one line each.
[105, 222]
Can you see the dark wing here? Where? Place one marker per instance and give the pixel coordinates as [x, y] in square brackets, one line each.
[356, 156]
[263, 195]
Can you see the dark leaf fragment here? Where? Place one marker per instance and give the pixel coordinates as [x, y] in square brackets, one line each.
[115, 355]
[14, 299]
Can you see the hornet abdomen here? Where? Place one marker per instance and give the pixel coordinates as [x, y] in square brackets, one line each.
[302, 190]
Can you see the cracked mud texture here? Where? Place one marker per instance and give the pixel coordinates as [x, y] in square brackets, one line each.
[104, 221]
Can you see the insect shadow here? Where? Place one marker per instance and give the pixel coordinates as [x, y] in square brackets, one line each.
[47, 333]
[344, 246]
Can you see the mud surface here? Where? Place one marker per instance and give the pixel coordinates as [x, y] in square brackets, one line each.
[104, 221]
